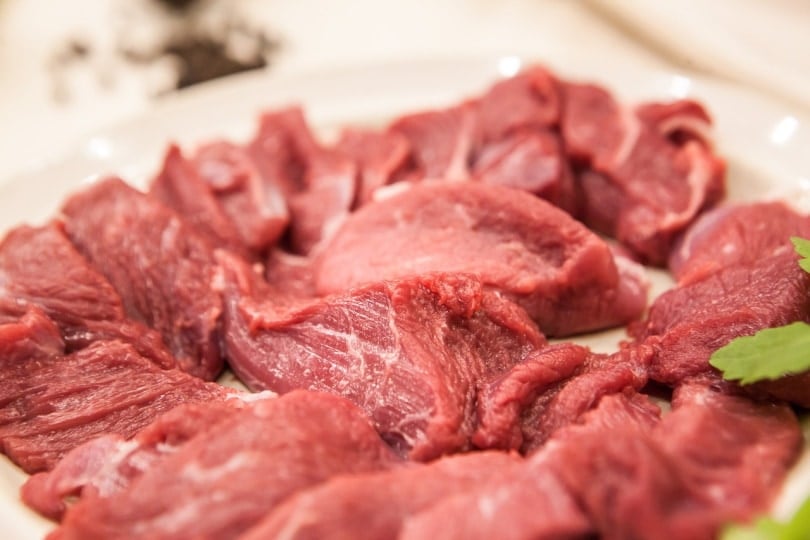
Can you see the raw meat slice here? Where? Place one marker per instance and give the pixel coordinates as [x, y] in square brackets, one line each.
[529, 100]
[441, 141]
[319, 184]
[40, 267]
[552, 389]
[381, 158]
[533, 161]
[51, 404]
[736, 235]
[560, 272]
[164, 272]
[109, 464]
[181, 188]
[715, 459]
[223, 481]
[687, 324]
[657, 177]
[376, 505]
[255, 207]
[531, 503]
[410, 353]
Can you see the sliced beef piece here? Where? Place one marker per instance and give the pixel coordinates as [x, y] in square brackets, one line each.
[256, 208]
[319, 184]
[551, 390]
[50, 404]
[110, 463]
[688, 323]
[163, 270]
[224, 480]
[656, 175]
[533, 161]
[532, 502]
[441, 141]
[382, 158]
[181, 188]
[410, 353]
[529, 100]
[560, 272]
[33, 335]
[715, 459]
[40, 267]
[376, 505]
[736, 235]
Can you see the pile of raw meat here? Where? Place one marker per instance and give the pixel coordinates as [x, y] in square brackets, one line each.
[393, 292]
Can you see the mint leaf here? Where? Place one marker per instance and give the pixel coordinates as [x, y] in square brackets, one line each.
[769, 354]
[798, 528]
[802, 247]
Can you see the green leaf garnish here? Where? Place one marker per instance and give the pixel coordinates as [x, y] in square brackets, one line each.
[802, 247]
[798, 528]
[769, 354]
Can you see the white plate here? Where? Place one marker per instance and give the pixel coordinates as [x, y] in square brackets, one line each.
[765, 142]
[763, 44]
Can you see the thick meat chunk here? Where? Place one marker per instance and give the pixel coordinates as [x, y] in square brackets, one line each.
[40, 267]
[561, 273]
[223, 481]
[410, 353]
[645, 178]
[110, 463]
[688, 323]
[256, 208]
[50, 404]
[533, 161]
[377, 505]
[441, 141]
[736, 235]
[319, 184]
[529, 100]
[551, 390]
[163, 271]
[382, 158]
[715, 459]
[181, 188]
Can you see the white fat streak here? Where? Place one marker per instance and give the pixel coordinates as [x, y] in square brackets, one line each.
[689, 123]
[632, 131]
[391, 190]
[201, 475]
[698, 179]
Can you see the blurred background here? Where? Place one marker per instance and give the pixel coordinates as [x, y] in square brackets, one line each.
[70, 68]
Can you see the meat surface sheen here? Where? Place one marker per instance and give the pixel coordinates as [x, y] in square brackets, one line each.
[50, 404]
[163, 271]
[561, 273]
[411, 353]
[33, 335]
[223, 481]
[646, 173]
[40, 267]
